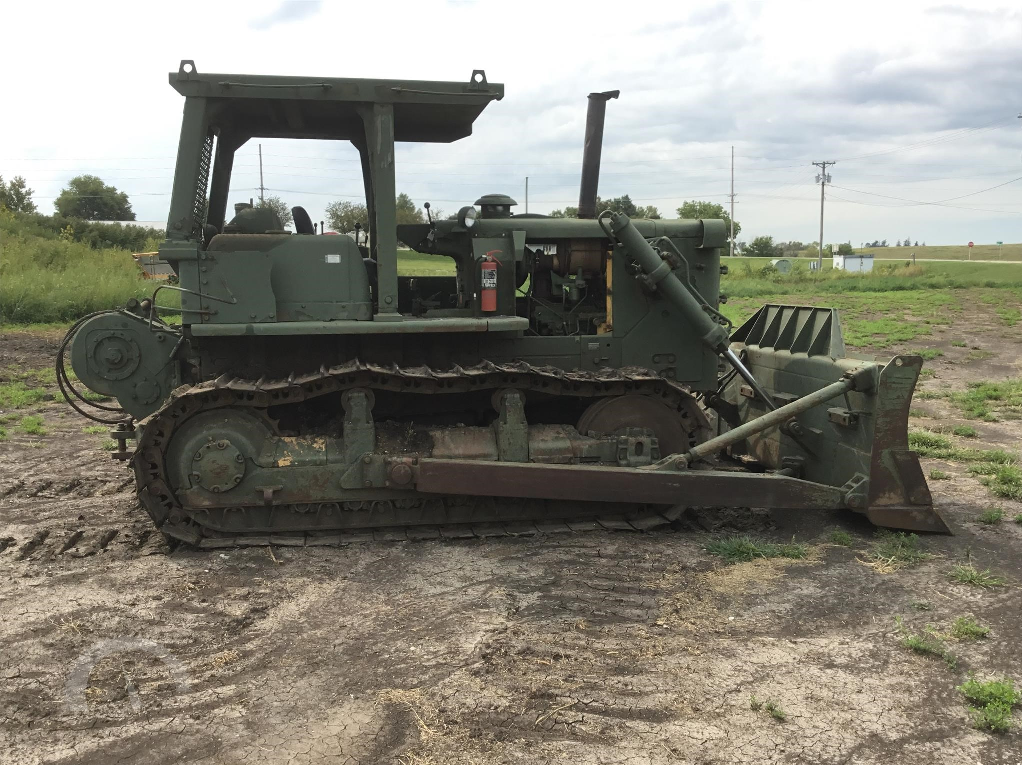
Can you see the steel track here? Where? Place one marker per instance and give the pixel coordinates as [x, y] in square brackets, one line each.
[403, 519]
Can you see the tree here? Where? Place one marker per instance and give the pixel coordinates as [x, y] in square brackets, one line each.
[649, 212]
[696, 209]
[622, 204]
[845, 248]
[812, 250]
[762, 247]
[16, 196]
[342, 216]
[916, 244]
[88, 198]
[280, 207]
[567, 212]
[407, 212]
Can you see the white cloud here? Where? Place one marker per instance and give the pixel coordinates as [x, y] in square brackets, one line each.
[785, 83]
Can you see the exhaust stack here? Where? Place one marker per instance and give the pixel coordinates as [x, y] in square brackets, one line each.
[591, 151]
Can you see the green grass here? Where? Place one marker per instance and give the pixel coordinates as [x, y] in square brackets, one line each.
[1005, 252]
[108, 445]
[1018, 518]
[839, 537]
[972, 576]
[940, 475]
[967, 628]
[929, 353]
[929, 444]
[965, 431]
[1009, 316]
[95, 429]
[16, 395]
[991, 516]
[925, 643]
[958, 344]
[3, 433]
[897, 549]
[770, 707]
[411, 263]
[47, 279]
[991, 702]
[739, 549]
[1006, 483]
[982, 399]
[32, 425]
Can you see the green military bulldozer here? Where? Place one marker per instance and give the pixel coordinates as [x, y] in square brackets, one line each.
[574, 373]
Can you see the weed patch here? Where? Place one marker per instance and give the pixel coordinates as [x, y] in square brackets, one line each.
[929, 444]
[95, 429]
[965, 431]
[839, 537]
[982, 399]
[940, 475]
[991, 516]
[741, 549]
[770, 707]
[967, 628]
[926, 643]
[16, 395]
[32, 425]
[929, 353]
[991, 702]
[896, 549]
[958, 344]
[972, 576]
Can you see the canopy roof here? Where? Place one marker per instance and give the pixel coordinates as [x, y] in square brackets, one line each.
[262, 106]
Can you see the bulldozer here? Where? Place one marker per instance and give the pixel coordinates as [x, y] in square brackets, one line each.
[573, 373]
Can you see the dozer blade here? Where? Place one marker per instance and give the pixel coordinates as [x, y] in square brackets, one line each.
[858, 442]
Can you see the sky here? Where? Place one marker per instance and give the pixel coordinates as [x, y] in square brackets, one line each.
[918, 104]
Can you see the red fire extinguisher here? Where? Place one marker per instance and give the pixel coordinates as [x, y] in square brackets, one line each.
[488, 281]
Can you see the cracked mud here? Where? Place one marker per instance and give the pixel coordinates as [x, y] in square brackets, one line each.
[595, 648]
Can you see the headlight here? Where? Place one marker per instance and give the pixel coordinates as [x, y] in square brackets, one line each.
[467, 216]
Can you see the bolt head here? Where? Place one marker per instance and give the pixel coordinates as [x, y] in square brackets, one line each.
[239, 458]
[198, 456]
[400, 474]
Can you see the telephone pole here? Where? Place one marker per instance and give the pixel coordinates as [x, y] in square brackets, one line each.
[823, 179]
[526, 195]
[261, 187]
[732, 195]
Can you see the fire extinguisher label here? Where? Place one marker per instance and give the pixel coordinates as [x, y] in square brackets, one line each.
[489, 279]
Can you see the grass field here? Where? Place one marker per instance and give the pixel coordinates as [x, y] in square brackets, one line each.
[1006, 252]
[45, 280]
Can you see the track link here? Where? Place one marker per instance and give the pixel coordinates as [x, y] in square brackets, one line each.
[391, 520]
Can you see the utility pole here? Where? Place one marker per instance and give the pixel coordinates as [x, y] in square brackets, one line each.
[732, 201]
[526, 195]
[823, 179]
[261, 187]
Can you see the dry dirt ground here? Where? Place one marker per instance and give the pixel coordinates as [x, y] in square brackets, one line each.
[596, 648]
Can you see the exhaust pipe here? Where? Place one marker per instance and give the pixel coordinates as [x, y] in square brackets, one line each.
[591, 151]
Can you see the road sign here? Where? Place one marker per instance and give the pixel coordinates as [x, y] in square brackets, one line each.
[970, 244]
[999, 243]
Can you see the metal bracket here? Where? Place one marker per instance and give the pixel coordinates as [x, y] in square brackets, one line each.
[359, 429]
[121, 434]
[844, 417]
[511, 427]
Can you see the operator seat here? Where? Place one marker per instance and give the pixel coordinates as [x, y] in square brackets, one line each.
[303, 223]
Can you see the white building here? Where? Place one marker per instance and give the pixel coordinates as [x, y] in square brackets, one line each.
[858, 261]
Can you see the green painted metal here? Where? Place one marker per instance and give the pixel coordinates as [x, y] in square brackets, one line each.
[323, 387]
